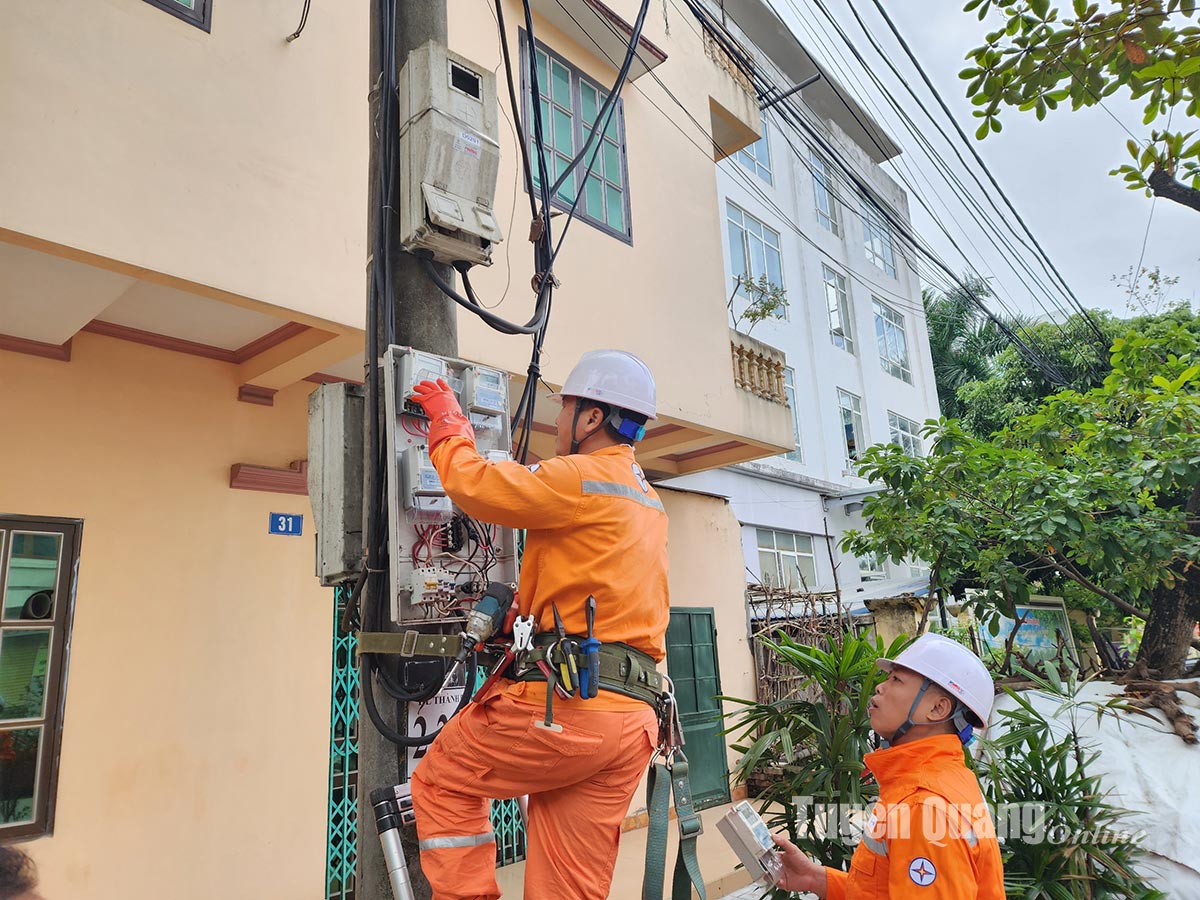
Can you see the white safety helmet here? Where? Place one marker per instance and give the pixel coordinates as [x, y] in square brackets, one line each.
[952, 667]
[613, 377]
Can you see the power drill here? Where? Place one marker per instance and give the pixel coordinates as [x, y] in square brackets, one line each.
[486, 617]
[484, 620]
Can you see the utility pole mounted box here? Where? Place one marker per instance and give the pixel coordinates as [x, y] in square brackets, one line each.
[335, 477]
[449, 156]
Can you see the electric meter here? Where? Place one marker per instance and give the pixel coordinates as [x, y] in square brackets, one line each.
[485, 391]
[414, 368]
[421, 488]
[747, 834]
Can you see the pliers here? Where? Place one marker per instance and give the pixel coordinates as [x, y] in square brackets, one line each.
[567, 666]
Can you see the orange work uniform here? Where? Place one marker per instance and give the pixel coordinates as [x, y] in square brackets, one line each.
[931, 838]
[594, 527]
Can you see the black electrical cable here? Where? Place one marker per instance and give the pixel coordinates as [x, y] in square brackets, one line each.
[610, 101]
[764, 87]
[371, 607]
[303, 21]
[1012, 257]
[516, 109]
[945, 109]
[500, 324]
[1009, 253]
[425, 740]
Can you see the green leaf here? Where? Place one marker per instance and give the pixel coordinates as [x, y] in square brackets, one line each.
[1165, 68]
[1188, 67]
[982, 131]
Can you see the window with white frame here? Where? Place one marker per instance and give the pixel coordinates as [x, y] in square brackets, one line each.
[852, 426]
[917, 568]
[823, 180]
[786, 560]
[906, 434]
[837, 302]
[877, 238]
[871, 568]
[570, 106]
[757, 157]
[891, 340]
[753, 247]
[789, 387]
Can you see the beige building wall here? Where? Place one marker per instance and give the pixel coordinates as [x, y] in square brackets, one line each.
[237, 163]
[195, 747]
[231, 159]
[196, 724]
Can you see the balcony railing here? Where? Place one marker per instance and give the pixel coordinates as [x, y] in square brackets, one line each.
[758, 368]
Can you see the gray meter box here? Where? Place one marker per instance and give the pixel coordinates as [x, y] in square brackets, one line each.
[449, 156]
[335, 479]
[747, 834]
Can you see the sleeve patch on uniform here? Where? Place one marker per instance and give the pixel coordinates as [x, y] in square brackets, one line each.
[641, 478]
[922, 872]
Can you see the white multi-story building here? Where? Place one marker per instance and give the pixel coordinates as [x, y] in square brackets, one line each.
[859, 370]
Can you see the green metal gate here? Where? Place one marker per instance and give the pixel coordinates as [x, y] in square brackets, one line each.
[340, 854]
[340, 851]
[692, 665]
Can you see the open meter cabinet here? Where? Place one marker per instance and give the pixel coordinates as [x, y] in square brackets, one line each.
[434, 548]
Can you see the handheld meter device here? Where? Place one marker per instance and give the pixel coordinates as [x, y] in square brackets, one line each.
[747, 834]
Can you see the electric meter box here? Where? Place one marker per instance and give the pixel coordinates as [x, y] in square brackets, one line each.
[747, 834]
[449, 156]
[417, 504]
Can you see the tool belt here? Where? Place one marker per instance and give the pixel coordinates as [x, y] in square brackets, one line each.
[623, 669]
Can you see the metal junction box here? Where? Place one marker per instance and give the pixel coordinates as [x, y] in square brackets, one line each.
[449, 156]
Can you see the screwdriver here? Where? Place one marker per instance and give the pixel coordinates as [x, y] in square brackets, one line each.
[591, 648]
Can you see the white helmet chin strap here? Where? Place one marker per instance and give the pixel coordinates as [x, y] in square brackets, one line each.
[959, 717]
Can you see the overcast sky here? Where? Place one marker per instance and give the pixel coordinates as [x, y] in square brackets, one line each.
[1055, 171]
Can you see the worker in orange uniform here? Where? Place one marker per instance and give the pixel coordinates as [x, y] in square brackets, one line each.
[595, 527]
[931, 837]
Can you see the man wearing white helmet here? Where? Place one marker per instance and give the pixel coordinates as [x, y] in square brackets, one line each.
[595, 528]
[931, 836]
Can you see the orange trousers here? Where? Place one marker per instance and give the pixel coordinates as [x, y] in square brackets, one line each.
[579, 782]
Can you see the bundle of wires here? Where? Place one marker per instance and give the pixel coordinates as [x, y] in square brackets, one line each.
[382, 672]
[540, 192]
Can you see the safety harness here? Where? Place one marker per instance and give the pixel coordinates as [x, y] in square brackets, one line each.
[623, 670]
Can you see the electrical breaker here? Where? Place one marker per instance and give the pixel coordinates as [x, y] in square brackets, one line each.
[449, 156]
[434, 549]
[431, 584]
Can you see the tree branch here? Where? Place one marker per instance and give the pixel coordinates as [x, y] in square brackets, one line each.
[1062, 565]
[1163, 184]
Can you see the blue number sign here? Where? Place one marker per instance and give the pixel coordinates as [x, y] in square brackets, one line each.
[285, 523]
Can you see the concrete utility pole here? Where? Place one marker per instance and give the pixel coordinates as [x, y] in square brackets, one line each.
[425, 319]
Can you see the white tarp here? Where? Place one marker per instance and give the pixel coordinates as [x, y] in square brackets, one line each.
[1151, 772]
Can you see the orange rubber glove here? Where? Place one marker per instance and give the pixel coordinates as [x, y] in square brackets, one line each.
[446, 417]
